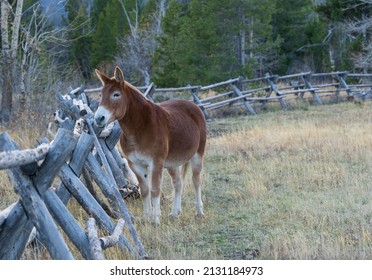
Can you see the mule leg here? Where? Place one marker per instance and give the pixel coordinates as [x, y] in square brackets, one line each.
[197, 165]
[156, 177]
[175, 174]
[141, 173]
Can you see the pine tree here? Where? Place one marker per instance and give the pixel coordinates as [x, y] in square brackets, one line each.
[258, 45]
[290, 23]
[105, 38]
[166, 56]
[193, 46]
[79, 36]
[207, 41]
[97, 8]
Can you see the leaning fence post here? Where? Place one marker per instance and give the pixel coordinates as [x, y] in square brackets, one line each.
[38, 213]
[83, 148]
[95, 245]
[341, 77]
[15, 232]
[116, 171]
[113, 195]
[105, 163]
[195, 96]
[308, 85]
[90, 205]
[245, 103]
[271, 80]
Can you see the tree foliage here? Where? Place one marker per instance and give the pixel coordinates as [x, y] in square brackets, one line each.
[351, 25]
[179, 42]
[206, 41]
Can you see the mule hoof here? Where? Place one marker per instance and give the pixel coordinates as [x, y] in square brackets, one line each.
[155, 222]
[200, 216]
[140, 220]
[175, 214]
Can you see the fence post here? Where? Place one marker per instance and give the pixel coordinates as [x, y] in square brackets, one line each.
[90, 205]
[113, 195]
[341, 77]
[94, 243]
[271, 80]
[17, 221]
[195, 96]
[150, 92]
[38, 213]
[245, 103]
[308, 85]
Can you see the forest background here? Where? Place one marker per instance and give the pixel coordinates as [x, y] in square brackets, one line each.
[49, 45]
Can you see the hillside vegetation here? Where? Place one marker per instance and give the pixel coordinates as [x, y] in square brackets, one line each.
[48, 46]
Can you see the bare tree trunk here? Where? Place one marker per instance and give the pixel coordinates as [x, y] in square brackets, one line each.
[6, 97]
[6, 89]
[9, 55]
[251, 38]
[162, 7]
[16, 27]
[242, 46]
[331, 58]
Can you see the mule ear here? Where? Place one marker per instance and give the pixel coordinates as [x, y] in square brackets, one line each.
[104, 79]
[118, 74]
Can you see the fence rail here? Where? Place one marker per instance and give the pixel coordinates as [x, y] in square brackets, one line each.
[271, 88]
[78, 153]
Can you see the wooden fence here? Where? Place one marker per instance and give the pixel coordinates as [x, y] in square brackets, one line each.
[79, 153]
[270, 88]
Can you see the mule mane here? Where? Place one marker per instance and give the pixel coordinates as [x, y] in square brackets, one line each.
[139, 109]
[135, 93]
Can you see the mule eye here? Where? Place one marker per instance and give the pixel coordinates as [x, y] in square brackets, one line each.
[116, 95]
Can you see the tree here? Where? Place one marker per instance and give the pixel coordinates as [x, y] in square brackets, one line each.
[349, 35]
[300, 29]
[137, 47]
[258, 45]
[361, 28]
[9, 53]
[206, 41]
[105, 38]
[80, 36]
[166, 66]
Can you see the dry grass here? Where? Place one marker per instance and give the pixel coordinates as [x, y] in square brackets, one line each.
[279, 185]
[301, 182]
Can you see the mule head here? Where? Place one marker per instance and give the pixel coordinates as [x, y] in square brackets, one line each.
[112, 103]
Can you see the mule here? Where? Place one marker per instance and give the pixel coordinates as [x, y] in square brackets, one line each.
[170, 135]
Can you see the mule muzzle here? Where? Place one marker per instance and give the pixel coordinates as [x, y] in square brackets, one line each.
[100, 121]
[102, 116]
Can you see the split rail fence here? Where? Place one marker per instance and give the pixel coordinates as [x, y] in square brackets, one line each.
[79, 155]
[270, 88]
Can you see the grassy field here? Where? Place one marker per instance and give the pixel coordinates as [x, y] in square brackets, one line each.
[279, 185]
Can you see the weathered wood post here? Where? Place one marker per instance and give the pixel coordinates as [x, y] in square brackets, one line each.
[306, 80]
[197, 101]
[149, 93]
[271, 81]
[341, 76]
[35, 208]
[238, 92]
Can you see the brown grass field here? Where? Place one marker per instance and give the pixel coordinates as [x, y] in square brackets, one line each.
[279, 185]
